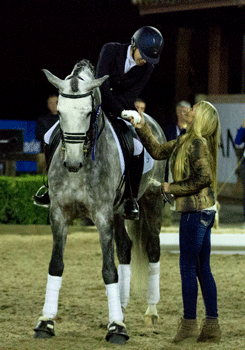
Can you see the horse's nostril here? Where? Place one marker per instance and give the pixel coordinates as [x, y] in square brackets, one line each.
[64, 164]
[81, 165]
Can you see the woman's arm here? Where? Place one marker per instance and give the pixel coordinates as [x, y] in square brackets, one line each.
[156, 150]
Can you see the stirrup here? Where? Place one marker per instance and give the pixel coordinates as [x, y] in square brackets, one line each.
[131, 209]
[41, 200]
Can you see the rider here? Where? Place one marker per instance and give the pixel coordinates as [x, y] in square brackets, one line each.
[129, 68]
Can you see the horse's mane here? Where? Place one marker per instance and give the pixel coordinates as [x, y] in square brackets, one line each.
[83, 65]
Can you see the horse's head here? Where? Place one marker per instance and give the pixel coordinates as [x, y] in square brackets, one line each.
[76, 105]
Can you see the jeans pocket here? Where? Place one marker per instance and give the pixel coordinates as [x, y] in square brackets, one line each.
[207, 216]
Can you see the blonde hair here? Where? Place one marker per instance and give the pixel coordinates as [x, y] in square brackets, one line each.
[205, 127]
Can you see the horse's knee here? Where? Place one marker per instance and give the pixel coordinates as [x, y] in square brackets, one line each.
[110, 275]
[124, 252]
[153, 251]
[56, 268]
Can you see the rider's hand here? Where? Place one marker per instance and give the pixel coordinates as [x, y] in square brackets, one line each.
[140, 124]
[127, 114]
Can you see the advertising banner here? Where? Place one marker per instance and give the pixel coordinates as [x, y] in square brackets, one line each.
[30, 144]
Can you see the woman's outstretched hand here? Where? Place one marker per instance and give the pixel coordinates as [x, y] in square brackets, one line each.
[140, 124]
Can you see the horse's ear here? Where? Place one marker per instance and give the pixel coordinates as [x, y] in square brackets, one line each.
[100, 81]
[97, 82]
[57, 82]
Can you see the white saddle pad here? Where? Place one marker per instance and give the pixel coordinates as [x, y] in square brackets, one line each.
[138, 147]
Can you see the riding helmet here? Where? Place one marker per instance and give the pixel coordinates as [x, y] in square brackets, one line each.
[149, 41]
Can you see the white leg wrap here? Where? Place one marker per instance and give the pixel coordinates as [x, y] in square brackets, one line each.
[153, 292]
[124, 276]
[113, 296]
[50, 308]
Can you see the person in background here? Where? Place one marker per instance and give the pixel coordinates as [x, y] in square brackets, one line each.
[172, 130]
[45, 122]
[140, 105]
[240, 144]
[129, 67]
[193, 158]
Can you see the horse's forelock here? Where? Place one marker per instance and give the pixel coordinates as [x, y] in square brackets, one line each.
[84, 65]
[79, 67]
[74, 84]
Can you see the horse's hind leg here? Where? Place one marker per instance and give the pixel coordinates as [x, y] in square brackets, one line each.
[123, 246]
[45, 326]
[152, 212]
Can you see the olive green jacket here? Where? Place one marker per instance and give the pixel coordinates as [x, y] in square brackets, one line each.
[195, 192]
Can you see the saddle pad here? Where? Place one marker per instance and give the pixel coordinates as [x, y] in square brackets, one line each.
[138, 147]
[49, 133]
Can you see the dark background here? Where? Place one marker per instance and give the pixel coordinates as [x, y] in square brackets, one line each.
[55, 34]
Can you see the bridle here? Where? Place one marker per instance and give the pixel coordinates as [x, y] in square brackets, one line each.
[85, 138]
[75, 137]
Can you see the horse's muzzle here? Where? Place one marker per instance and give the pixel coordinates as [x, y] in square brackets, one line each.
[73, 169]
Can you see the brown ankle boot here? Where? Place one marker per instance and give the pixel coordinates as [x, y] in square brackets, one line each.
[187, 329]
[210, 331]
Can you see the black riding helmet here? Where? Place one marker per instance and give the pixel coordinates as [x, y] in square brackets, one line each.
[149, 41]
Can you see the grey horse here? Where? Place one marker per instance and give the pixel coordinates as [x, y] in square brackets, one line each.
[84, 177]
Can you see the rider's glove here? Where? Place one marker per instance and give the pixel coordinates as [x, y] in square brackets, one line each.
[127, 114]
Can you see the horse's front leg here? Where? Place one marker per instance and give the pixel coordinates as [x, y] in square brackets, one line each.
[116, 329]
[45, 326]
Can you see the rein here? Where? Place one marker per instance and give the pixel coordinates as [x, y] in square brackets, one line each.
[96, 131]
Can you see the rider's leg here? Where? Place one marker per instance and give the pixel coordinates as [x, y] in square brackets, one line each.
[43, 199]
[51, 138]
[131, 208]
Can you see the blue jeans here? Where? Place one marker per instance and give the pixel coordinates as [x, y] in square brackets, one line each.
[242, 175]
[195, 248]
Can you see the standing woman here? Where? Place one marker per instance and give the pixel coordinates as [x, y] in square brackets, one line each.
[193, 159]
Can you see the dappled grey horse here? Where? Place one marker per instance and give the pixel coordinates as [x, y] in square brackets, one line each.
[84, 177]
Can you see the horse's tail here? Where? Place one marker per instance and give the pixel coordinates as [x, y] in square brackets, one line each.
[139, 259]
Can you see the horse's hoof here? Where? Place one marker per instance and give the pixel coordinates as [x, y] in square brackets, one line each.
[151, 320]
[117, 334]
[154, 319]
[42, 335]
[44, 329]
[117, 339]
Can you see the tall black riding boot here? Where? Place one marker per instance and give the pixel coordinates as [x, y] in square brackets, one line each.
[131, 206]
[42, 199]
